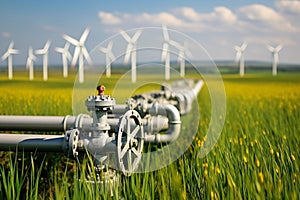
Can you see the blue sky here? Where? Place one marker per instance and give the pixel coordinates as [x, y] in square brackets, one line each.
[218, 25]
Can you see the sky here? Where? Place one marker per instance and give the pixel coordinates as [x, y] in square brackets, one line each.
[217, 25]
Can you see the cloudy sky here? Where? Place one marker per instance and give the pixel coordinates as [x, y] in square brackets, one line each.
[217, 25]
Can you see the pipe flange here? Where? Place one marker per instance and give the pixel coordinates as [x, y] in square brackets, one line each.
[71, 139]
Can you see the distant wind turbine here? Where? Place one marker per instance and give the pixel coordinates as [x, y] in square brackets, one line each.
[240, 57]
[109, 57]
[131, 51]
[29, 63]
[165, 56]
[65, 57]
[183, 52]
[44, 51]
[80, 52]
[275, 54]
[8, 55]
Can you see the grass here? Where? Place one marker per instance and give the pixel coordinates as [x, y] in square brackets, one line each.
[257, 154]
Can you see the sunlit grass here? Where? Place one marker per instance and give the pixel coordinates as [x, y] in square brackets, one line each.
[257, 154]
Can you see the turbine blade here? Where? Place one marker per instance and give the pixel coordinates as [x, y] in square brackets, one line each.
[270, 48]
[110, 45]
[39, 51]
[104, 50]
[175, 44]
[67, 45]
[244, 46]
[278, 48]
[84, 35]
[125, 36]
[165, 33]
[11, 45]
[70, 39]
[14, 51]
[5, 56]
[136, 35]
[87, 56]
[47, 45]
[59, 50]
[75, 56]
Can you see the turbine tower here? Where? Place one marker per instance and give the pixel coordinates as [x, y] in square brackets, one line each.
[29, 63]
[275, 54]
[8, 55]
[109, 57]
[183, 52]
[44, 52]
[240, 57]
[80, 52]
[65, 57]
[131, 51]
[165, 56]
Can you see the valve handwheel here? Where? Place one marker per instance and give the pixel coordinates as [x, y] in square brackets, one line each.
[130, 142]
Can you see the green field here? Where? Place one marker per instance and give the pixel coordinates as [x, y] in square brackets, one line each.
[256, 157]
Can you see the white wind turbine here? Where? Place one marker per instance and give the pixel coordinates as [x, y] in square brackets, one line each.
[165, 56]
[44, 51]
[8, 55]
[183, 52]
[131, 51]
[29, 63]
[275, 52]
[80, 52]
[109, 57]
[240, 57]
[65, 57]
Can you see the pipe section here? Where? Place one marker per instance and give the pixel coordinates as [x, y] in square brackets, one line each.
[31, 143]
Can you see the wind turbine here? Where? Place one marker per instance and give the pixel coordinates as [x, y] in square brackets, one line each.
[183, 52]
[65, 57]
[240, 57]
[131, 51]
[109, 57]
[80, 52]
[275, 52]
[165, 56]
[29, 63]
[8, 55]
[44, 51]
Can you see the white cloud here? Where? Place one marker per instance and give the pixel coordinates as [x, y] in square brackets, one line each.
[109, 18]
[255, 17]
[6, 35]
[289, 6]
[264, 18]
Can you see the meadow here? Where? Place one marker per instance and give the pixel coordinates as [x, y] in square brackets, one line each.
[256, 156]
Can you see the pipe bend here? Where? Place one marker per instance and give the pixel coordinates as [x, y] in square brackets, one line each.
[174, 122]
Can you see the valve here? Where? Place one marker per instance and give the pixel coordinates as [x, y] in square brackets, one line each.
[130, 142]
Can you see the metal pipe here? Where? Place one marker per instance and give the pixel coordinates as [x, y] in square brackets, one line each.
[174, 123]
[31, 142]
[43, 123]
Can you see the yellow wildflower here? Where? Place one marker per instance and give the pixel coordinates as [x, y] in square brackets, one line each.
[261, 177]
[205, 172]
[271, 151]
[245, 159]
[293, 157]
[257, 163]
[218, 171]
[284, 137]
